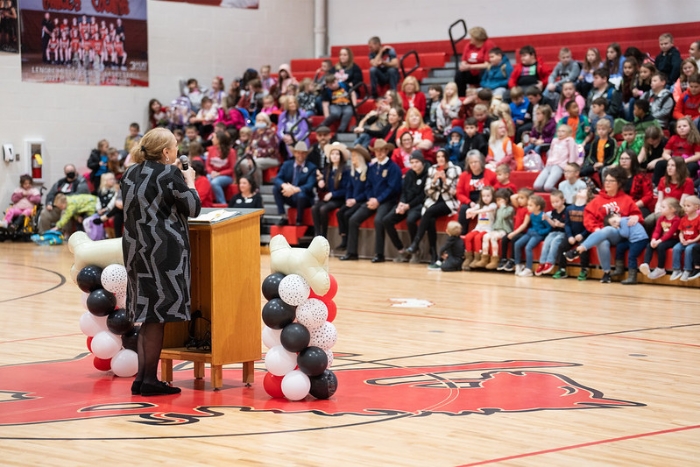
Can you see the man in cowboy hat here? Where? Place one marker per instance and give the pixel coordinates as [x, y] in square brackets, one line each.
[316, 156]
[294, 184]
[383, 190]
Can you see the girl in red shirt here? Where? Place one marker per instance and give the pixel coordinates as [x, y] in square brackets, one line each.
[689, 237]
[202, 184]
[665, 236]
[220, 163]
[686, 144]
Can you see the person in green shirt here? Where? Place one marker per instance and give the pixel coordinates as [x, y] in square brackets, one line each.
[73, 207]
[630, 140]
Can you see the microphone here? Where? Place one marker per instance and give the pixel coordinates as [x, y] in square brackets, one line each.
[185, 162]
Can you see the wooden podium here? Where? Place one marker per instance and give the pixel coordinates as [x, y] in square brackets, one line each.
[226, 289]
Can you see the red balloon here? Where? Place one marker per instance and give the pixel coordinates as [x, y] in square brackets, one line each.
[313, 294]
[102, 364]
[332, 309]
[273, 385]
[89, 344]
[334, 288]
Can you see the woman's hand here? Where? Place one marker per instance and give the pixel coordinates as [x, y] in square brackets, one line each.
[632, 220]
[213, 174]
[327, 197]
[189, 176]
[350, 202]
[288, 139]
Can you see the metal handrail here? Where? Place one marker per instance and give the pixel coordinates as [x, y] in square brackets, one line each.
[454, 41]
[294, 128]
[403, 59]
[365, 93]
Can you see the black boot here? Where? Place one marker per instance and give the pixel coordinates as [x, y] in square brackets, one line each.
[619, 268]
[631, 277]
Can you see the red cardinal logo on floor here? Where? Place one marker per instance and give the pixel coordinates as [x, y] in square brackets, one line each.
[70, 390]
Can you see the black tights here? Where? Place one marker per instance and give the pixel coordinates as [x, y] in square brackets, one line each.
[150, 344]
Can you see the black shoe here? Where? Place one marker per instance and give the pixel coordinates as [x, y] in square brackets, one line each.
[161, 388]
[136, 388]
[349, 257]
[606, 278]
[501, 264]
[411, 250]
[509, 266]
[571, 255]
[282, 222]
[343, 245]
[378, 259]
[97, 221]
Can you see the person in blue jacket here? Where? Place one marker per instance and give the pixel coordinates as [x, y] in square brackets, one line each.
[496, 76]
[294, 184]
[383, 190]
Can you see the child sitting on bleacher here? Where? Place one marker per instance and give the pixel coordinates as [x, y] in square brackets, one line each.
[689, 237]
[452, 252]
[434, 99]
[598, 112]
[602, 150]
[503, 179]
[454, 145]
[568, 94]
[496, 76]
[590, 65]
[518, 105]
[529, 72]
[472, 140]
[24, 199]
[543, 129]
[483, 120]
[267, 81]
[689, 103]
[521, 221]
[669, 60]
[630, 140]
[536, 232]
[484, 211]
[557, 220]
[307, 96]
[502, 225]
[575, 233]
[577, 122]
[500, 147]
[269, 106]
[572, 183]
[562, 151]
[566, 71]
[449, 107]
[660, 100]
[604, 90]
[665, 236]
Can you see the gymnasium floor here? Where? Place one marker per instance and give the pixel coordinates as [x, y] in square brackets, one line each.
[473, 369]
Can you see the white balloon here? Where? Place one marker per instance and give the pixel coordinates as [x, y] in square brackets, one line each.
[294, 290]
[324, 337]
[83, 300]
[90, 324]
[295, 385]
[125, 363]
[271, 337]
[278, 361]
[312, 313]
[329, 353]
[114, 278]
[121, 299]
[105, 345]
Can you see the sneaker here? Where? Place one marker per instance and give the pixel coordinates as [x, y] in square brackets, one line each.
[548, 267]
[583, 275]
[538, 271]
[560, 274]
[519, 268]
[510, 266]
[435, 265]
[676, 275]
[526, 272]
[656, 273]
[571, 255]
[606, 278]
[644, 269]
[694, 275]
[686, 276]
[501, 264]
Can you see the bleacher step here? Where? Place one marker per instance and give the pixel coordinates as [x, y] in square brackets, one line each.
[442, 73]
[438, 80]
[346, 138]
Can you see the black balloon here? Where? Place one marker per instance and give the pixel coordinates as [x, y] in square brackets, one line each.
[295, 337]
[89, 278]
[276, 314]
[271, 285]
[101, 303]
[119, 322]
[324, 385]
[312, 361]
[131, 338]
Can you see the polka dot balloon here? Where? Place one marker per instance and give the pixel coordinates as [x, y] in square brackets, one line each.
[293, 289]
[312, 313]
[324, 337]
[114, 279]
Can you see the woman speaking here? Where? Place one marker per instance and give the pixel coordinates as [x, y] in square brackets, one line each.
[158, 198]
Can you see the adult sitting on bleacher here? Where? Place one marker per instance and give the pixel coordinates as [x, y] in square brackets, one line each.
[384, 65]
[383, 190]
[294, 184]
[338, 103]
[355, 194]
[475, 59]
[262, 151]
[346, 70]
[332, 184]
[71, 184]
[374, 125]
[423, 138]
[292, 116]
[317, 155]
[411, 95]
[638, 185]
[471, 181]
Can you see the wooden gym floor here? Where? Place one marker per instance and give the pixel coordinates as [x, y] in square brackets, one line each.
[498, 370]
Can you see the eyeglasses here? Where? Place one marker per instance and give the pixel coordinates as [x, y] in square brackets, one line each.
[610, 180]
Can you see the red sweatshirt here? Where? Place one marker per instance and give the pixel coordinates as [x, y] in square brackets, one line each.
[688, 104]
[666, 229]
[541, 71]
[206, 195]
[603, 204]
[465, 184]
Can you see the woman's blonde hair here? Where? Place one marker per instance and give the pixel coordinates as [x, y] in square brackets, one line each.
[287, 100]
[151, 146]
[410, 112]
[411, 80]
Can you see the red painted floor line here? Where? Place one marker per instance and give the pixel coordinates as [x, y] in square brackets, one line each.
[43, 337]
[583, 445]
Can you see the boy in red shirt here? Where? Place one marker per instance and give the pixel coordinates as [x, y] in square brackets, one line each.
[529, 72]
[689, 103]
[503, 178]
[521, 221]
[689, 229]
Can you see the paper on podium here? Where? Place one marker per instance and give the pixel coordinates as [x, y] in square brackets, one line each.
[212, 217]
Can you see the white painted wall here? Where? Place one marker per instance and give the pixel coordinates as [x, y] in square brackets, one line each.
[184, 41]
[355, 21]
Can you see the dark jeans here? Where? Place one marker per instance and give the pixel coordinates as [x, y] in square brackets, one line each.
[320, 212]
[412, 217]
[383, 75]
[427, 224]
[564, 246]
[505, 241]
[298, 200]
[660, 252]
[462, 218]
[361, 215]
[635, 249]
[465, 78]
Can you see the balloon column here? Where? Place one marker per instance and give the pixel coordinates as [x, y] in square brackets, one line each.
[111, 334]
[298, 317]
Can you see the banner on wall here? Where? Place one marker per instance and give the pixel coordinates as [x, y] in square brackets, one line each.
[9, 27]
[249, 4]
[97, 42]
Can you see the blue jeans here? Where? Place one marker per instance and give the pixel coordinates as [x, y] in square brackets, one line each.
[635, 249]
[529, 241]
[602, 240]
[686, 251]
[551, 246]
[343, 113]
[363, 140]
[383, 75]
[218, 185]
